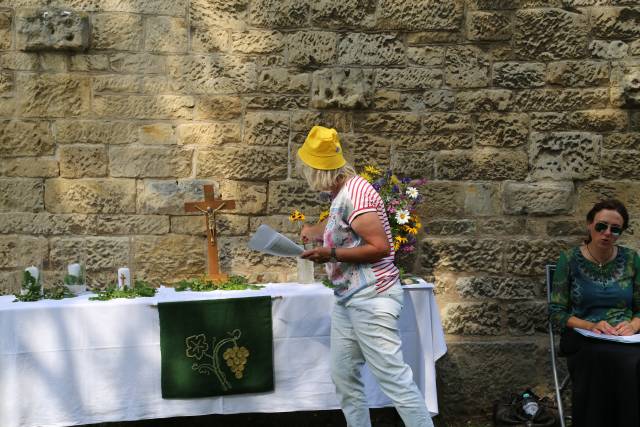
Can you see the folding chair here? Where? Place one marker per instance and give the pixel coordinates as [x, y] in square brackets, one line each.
[559, 386]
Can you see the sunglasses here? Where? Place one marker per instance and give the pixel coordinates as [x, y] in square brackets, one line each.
[601, 227]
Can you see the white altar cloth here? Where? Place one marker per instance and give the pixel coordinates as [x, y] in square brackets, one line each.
[76, 361]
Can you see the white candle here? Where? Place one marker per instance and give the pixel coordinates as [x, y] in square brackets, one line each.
[124, 278]
[74, 269]
[33, 270]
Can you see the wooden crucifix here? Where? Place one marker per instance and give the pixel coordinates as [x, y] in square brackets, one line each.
[209, 206]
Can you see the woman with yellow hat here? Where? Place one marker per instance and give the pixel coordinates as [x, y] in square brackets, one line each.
[359, 256]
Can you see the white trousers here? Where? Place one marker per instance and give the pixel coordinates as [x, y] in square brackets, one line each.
[366, 329]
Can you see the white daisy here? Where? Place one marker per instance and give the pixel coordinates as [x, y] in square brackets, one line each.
[412, 192]
[402, 216]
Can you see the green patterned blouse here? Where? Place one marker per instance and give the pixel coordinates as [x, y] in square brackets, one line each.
[582, 289]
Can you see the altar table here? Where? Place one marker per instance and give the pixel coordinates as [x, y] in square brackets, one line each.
[76, 361]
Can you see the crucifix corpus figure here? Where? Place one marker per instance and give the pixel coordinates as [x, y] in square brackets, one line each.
[209, 206]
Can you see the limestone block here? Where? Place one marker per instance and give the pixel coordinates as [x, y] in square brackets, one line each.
[237, 258]
[561, 100]
[578, 73]
[538, 198]
[195, 225]
[6, 85]
[484, 100]
[250, 197]
[432, 142]
[462, 255]
[89, 63]
[257, 42]
[622, 141]
[21, 195]
[160, 259]
[102, 253]
[169, 197]
[634, 47]
[517, 75]
[529, 257]
[311, 47]
[53, 95]
[209, 40]
[481, 199]
[598, 120]
[366, 149]
[472, 319]
[420, 15]
[397, 100]
[29, 167]
[25, 138]
[270, 129]
[415, 164]
[226, 225]
[116, 31]
[143, 106]
[604, 49]
[564, 155]
[277, 102]
[446, 200]
[370, 49]
[545, 122]
[214, 14]
[285, 196]
[409, 78]
[211, 75]
[494, 287]
[279, 13]
[343, 13]
[277, 222]
[282, 80]
[387, 122]
[95, 132]
[434, 36]
[445, 227]
[206, 134]
[77, 161]
[527, 318]
[218, 107]
[439, 100]
[11, 281]
[165, 34]
[630, 89]
[22, 251]
[466, 67]
[502, 226]
[150, 161]
[616, 22]
[5, 30]
[484, 26]
[427, 56]
[136, 63]
[304, 120]
[52, 29]
[464, 370]
[482, 165]
[157, 133]
[116, 83]
[342, 88]
[533, 40]
[232, 225]
[563, 228]
[620, 164]
[502, 130]
[498, 4]
[445, 123]
[109, 196]
[593, 191]
[19, 61]
[242, 163]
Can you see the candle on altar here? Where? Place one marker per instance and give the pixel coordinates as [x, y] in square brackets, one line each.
[74, 269]
[33, 271]
[124, 278]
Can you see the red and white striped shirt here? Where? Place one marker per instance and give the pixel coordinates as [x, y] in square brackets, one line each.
[356, 197]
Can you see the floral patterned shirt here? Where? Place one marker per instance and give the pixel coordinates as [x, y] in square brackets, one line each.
[582, 289]
[356, 197]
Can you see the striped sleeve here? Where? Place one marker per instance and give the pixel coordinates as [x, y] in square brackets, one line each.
[363, 196]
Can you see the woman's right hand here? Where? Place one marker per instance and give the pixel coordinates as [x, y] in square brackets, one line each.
[603, 327]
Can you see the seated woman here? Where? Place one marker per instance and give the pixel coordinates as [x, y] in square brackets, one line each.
[596, 287]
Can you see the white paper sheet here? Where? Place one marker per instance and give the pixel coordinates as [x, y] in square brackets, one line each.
[269, 241]
[629, 339]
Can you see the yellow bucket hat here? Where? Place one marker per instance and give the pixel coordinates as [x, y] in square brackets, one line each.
[322, 149]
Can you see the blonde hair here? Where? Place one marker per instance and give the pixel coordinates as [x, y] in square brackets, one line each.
[325, 180]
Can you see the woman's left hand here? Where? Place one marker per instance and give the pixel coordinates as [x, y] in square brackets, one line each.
[625, 328]
[318, 255]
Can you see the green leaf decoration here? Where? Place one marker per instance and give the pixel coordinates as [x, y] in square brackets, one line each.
[234, 283]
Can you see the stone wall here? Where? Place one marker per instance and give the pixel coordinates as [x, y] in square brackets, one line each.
[521, 113]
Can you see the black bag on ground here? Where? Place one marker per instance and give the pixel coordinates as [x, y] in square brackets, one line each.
[510, 411]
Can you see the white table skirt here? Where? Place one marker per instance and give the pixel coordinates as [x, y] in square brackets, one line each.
[77, 361]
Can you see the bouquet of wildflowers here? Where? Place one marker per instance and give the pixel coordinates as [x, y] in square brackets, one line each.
[401, 198]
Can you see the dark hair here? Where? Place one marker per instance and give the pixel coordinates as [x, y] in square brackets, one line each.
[609, 204]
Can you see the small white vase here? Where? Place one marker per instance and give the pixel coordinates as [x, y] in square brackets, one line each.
[305, 271]
[77, 289]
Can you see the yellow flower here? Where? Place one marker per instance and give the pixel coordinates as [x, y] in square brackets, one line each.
[410, 230]
[396, 246]
[323, 215]
[400, 239]
[366, 176]
[372, 170]
[296, 215]
[395, 180]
